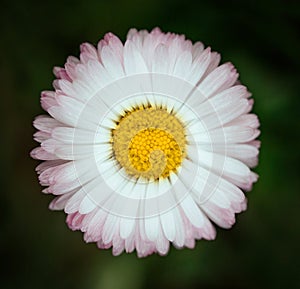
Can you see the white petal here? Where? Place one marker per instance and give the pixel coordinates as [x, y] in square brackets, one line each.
[152, 227]
[160, 61]
[111, 63]
[168, 225]
[162, 244]
[183, 65]
[199, 66]
[226, 135]
[46, 123]
[74, 202]
[60, 202]
[126, 227]
[198, 48]
[192, 211]
[133, 61]
[87, 205]
[180, 230]
[110, 228]
[221, 78]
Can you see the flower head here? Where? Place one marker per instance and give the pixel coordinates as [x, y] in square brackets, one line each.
[147, 143]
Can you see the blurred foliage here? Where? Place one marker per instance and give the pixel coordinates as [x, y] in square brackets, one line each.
[261, 251]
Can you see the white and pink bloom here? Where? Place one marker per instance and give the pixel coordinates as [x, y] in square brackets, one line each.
[147, 143]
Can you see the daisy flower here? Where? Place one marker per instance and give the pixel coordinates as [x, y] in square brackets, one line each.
[147, 143]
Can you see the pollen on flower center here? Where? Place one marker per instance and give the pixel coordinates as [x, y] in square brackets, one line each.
[155, 149]
[149, 142]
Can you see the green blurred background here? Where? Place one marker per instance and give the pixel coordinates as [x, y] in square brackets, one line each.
[262, 250]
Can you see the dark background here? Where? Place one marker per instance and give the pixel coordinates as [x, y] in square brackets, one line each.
[262, 250]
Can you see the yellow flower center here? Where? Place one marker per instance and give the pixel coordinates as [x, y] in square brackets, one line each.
[149, 142]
